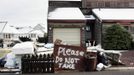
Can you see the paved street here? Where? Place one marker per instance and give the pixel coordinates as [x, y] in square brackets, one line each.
[123, 72]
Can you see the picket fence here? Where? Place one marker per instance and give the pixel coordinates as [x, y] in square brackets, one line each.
[38, 64]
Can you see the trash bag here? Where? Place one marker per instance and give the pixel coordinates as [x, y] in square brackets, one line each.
[2, 62]
[102, 61]
[102, 58]
[100, 67]
[49, 45]
[10, 60]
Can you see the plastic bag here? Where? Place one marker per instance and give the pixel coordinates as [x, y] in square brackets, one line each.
[10, 60]
[100, 67]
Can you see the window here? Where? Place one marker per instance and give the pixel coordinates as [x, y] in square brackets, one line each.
[126, 27]
[131, 4]
[107, 4]
[132, 29]
[105, 26]
[9, 36]
[6, 36]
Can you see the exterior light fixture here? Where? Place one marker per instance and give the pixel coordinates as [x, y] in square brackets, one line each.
[50, 28]
[87, 28]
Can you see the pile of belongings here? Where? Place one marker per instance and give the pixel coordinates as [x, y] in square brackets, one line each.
[102, 61]
[105, 57]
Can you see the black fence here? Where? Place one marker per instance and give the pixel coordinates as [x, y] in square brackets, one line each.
[38, 64]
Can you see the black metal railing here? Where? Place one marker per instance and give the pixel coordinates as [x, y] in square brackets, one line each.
[38, 63]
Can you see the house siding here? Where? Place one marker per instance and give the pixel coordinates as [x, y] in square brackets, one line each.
[107, 3]
[65, 3]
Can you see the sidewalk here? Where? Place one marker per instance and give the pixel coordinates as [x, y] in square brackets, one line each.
[4, 70]
[120, 68]
[109, 69]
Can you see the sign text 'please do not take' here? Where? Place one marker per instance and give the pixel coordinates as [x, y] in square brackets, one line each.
[68, 57]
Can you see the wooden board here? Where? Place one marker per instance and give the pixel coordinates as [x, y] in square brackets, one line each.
[68, 57]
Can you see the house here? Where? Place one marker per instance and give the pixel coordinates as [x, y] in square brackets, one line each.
[109, 17]
[32, 32]
[66, 24]
[79, 28]
[9, 34]
[94, 20]
[24, 31]
[93, 3]
[69, 16]
[39, 30]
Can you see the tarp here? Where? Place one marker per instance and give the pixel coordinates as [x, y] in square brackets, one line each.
[10, 60]
[24, 48]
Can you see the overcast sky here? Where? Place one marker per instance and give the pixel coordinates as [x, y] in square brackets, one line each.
[23, 12]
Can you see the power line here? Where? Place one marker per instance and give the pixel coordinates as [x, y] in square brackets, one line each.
[4, 25]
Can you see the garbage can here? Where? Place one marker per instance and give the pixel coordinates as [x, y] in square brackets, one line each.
[91, 61]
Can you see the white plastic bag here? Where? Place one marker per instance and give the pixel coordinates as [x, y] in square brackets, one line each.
[49, 45]
[10, 60]
[100, 66]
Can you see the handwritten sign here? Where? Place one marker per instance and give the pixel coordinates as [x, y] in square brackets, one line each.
[68, 57]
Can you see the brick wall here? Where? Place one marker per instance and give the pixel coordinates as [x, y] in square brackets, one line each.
[107, 3]
[65, 3]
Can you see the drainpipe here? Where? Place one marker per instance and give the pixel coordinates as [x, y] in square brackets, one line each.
[99, 22]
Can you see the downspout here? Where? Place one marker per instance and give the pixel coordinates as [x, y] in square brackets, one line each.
[98, 20]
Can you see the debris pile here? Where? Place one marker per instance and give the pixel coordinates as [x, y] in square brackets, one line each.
[105, 58]
[95, 58]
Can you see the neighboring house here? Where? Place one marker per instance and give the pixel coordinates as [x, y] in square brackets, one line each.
[11, 33]
[33, 33]
[25, 32]
[108, 17]
[39, 30]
